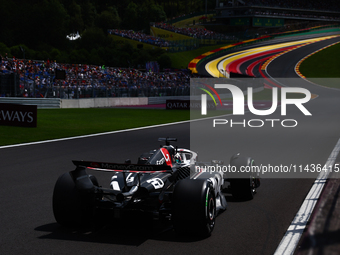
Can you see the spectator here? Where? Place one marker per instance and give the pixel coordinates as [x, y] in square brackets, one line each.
[40, 75]
[200, 33]
[141, 37]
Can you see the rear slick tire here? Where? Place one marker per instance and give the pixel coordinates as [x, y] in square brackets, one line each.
[72, 208]
[194, 208]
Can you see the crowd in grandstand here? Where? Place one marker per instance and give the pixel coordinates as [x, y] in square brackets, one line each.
[200, 33]
[140, 37]
[41, 75]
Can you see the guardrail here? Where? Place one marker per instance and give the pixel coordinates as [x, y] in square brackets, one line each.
[45, 103]
[40, 102]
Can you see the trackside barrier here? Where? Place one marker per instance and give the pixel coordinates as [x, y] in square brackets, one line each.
[162, 100]
[41, 103]
[45, 103]
[196, 93]
[103, 102]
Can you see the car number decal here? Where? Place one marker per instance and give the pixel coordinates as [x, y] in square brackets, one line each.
[156, 183]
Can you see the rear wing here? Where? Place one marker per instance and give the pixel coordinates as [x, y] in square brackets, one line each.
[167, 140]
[122, 167]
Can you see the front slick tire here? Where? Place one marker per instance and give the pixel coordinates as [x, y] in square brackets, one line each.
[243, 188]
[194, 208]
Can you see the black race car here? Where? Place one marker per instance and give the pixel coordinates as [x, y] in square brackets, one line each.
[164, 185]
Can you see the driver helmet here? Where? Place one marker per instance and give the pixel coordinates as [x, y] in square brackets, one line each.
[178, 158]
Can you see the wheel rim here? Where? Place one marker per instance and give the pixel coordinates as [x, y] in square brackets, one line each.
[211, 211]
[252, 185]
[252, 181]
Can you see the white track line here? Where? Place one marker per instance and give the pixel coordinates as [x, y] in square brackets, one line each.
[92, 135]
[291, 239]
[108, 133]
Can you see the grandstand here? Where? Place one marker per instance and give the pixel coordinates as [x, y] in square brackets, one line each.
[30, 78]
[276, 14]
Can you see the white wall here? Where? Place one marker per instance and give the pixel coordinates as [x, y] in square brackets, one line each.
[102, 102]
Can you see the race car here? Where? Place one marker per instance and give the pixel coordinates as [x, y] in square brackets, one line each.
[164, 184]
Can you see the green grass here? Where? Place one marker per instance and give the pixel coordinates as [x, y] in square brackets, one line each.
[323, 64]
[61, 123]
[182, 59]
[318, 31]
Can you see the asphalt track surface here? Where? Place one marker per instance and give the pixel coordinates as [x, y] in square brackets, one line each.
[28, 175]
